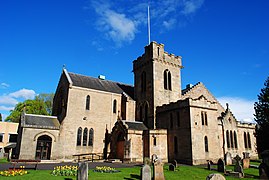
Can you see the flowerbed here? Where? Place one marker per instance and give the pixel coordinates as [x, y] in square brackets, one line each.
[65, 171]
[105, 169]
[14, 172]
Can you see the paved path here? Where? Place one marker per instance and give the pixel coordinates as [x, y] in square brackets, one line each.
[50, 166]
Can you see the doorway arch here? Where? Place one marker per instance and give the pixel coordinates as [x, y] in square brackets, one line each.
[43, 147]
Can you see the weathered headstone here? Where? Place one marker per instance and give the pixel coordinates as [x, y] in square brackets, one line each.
[221, 166]
[215, 176]
[158, 170]
[228, 159]
[82, 171]
[246, 160]
[238, 168]
[174, 163]
[172, 167]
[145, 173]
[209, 165]
[154, 157]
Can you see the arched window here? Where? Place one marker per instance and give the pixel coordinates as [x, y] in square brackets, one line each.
[169, 81]
[178, 119]
[85, 135]
[232, 139]
[88, 102]
[228, 139]
[245, 140]
[175, 145]
[205, 114]
[115, 106]
[143, 81]
[206, 144]
[235, 140]
[249, 141]
[146, 114]
[141, 113]
[203, 118]
[171, 121]
[91, 136]
[79, 136]
[165, 79]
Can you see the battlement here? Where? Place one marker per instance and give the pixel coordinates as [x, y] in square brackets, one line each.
[155, 52]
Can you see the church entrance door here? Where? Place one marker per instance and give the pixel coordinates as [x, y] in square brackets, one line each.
[43, 147]
[120, 146]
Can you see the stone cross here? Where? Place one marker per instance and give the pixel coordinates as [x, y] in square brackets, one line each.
[158, 170]
[82, 173]
[238, 168]
[145, 173]
[221, 166]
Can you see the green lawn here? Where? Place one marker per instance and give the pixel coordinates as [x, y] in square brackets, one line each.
[182, 172]
[3, 160]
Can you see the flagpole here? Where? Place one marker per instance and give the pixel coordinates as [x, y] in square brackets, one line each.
[148, 24]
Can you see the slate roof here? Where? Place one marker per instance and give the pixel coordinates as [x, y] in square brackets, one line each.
[135, 125]
[41, 121]
[102, 85]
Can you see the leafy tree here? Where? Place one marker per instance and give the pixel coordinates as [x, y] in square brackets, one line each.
[0, 117]
[262, 118]
[41, 104]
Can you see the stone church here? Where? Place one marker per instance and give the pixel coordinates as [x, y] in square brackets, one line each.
[119, 121]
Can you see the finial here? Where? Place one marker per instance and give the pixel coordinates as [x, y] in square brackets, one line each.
[227, 105]
[63, 66]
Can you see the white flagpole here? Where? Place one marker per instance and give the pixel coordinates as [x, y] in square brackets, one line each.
[148, 24]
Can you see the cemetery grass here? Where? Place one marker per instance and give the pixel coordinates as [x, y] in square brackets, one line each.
[3, 160]
[183, 172]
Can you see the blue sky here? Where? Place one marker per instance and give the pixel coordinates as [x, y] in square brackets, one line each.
[224, 44]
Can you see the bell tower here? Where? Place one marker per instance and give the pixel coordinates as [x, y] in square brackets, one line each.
[157, 81]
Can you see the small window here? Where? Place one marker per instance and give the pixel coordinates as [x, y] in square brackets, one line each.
[171, 121]
[115, 106]
[141, 113]
[154, 141]
[1, 137]
[245, 140]
[203, 119]
[85, 136]
[143, 81]
[146, 114]
[228, 139]
[167, 80]
[175, 145]
[235, 140]
[206, 144]
[79, 136]
[232, 139]
[88, 102]
[249, 141]
[91, 136]
[178, 119]
[13, 137]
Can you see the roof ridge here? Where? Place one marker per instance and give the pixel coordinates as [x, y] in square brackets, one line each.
[100, 79]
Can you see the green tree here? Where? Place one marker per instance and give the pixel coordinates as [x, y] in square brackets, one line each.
[262, 118]
[41, 104]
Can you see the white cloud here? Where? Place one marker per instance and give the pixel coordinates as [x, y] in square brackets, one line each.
[191, 6]
[243, 109]
[4, 85]
[120, 21]
[23, 93]
[8, 100]
[5, 108]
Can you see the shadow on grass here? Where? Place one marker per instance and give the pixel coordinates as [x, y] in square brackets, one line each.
[133, 177]
[67, 178]
[247, 175]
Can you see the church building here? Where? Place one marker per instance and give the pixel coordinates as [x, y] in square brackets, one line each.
[132, 122]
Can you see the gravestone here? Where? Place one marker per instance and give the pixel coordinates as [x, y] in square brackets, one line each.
[172, 167]
[82, 173]
[238, 168]
[246, 160]
[145, 172]
[264, 166]
[215, 176]
[221, 166]
[209, 165]
[174, 163]
[228, 159]
[153, 158]
[158, 170]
